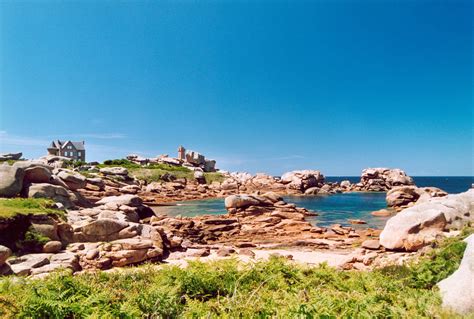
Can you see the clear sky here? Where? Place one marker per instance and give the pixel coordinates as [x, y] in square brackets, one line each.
[260, 86]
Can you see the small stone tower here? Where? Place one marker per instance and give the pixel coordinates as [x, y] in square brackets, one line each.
[181, 153]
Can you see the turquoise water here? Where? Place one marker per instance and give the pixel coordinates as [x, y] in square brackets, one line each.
[332, 209]
[338, 208]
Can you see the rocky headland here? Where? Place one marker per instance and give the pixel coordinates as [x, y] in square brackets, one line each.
[100, 217]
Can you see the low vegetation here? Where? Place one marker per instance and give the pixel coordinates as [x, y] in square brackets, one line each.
[154, 172]
[27, 206]
[10, 162]
[32, 241]
[229, 289]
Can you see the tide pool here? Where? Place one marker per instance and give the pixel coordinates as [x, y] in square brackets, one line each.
[332, 209]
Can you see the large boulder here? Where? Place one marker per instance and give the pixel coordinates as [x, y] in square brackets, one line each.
[54, 192]
[37, 174]
[457, 290]
[73, 180]
[11, 180]
[241, 201]
[302, 180]
[419, 225]
[100, 230]
[400, 196]
[128, 200]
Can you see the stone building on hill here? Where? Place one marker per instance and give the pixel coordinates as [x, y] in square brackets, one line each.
[74, 150]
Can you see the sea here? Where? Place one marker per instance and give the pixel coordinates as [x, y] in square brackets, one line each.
[332, 209]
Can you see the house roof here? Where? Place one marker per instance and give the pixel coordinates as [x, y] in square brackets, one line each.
[60, 144]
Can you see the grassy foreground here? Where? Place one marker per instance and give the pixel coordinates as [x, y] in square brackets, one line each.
[27, 206]
[228, 289]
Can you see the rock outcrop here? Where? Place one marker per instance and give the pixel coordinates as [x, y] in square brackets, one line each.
[404, 196]
[457, 290]
[382, 179]
[54, 192]
[419, 225]
[300, 181]
[11, 180]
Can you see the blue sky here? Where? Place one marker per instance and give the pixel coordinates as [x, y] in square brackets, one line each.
[262, 86]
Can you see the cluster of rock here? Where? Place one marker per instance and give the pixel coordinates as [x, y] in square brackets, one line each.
[255, 219]
[404, 196]
[382, 179]
[35, 179]
[189, 159]
[295, 182]
[424, 222]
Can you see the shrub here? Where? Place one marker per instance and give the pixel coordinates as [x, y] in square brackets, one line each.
[227, 288]
[32, 241]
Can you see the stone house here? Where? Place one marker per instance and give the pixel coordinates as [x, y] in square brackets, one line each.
[74, 150]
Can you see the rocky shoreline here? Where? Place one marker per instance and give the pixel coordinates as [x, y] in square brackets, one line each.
[109, 221]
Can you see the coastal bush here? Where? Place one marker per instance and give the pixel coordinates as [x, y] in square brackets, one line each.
[33, 241]
[119, 162]
[229, 289]
[73, 163]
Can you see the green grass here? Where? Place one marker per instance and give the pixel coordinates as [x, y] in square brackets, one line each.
[27, 206]
[154, 172]
[33, 241]
[227, 289]
[214, 177]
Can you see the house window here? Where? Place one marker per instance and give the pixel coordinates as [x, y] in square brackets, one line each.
[79, 153]
[69, 147]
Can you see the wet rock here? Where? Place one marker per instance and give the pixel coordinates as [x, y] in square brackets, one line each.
[241, 201]
[357, 221]
[382, 213]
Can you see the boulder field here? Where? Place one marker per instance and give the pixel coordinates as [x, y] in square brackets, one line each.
[110, 221]
[421, 224]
